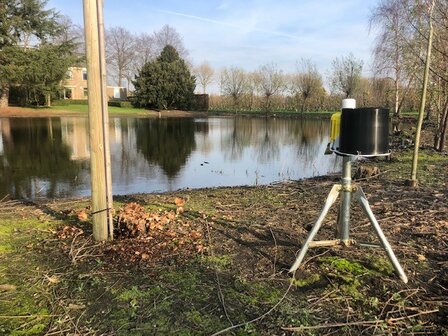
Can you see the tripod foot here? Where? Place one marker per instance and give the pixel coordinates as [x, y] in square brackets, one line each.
[362, 199]
[331, 198]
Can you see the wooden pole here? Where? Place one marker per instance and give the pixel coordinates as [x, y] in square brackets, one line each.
[105, 116]
[98, 121]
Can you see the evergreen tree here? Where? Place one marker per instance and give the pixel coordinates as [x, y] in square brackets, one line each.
[165, 82]
[22, 23]
[48, 66]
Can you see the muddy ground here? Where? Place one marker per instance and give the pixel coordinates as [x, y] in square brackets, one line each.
[208, 261]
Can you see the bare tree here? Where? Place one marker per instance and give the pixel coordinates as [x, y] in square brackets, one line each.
[413, 180]
[120, 52]
[233, 83]
[70, 32]
[251, 87]
[168, 35]
[392, 46]
[271, 81]
[346, 75]
[382, 91]
[145, 51]
[439, 69]
[307, 82]
[204, 74]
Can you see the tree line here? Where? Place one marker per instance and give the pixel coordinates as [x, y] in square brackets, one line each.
[269, 88]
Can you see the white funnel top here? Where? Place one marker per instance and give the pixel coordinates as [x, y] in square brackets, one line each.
[348, 103]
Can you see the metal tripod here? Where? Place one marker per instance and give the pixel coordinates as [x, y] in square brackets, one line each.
[346, 189]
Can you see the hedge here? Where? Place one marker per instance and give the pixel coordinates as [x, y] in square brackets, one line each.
[119, 103]
[65, 102]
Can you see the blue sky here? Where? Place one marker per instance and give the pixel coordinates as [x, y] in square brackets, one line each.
[249, 33]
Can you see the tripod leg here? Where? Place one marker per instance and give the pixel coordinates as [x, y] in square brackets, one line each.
[362, 199]
[331, 198]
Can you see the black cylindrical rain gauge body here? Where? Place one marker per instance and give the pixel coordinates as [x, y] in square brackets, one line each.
[364, 132]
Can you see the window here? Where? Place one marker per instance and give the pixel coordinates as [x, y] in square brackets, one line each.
[117, 94]
[86, 92]
[68, 94]
[84, 74]
[69, 74]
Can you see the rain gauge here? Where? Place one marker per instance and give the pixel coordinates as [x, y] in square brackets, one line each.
[354, 133]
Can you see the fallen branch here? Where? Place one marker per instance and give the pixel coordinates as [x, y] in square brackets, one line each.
[81, 251]
[26, 316]
[368, 322]
[275, 254]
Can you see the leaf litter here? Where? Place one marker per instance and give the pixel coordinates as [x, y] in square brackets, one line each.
[148, 236]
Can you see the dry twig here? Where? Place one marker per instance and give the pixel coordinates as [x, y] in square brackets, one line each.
[368, 322]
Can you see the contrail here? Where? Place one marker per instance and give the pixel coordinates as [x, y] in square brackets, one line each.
[223, 23]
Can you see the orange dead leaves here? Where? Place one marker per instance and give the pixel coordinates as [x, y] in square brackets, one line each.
[82, 215]
[68, 231]
[153, 235]
[180, 202]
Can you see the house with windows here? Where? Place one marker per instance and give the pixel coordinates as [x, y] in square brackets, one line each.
[75, 86]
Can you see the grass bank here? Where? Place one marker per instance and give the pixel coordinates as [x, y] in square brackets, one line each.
[214, 259]
[82, 109]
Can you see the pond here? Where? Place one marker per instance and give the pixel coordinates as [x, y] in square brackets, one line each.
[49, 157]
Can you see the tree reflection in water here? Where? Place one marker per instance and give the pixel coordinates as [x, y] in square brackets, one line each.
[33, 149]
[268, 135]
[166, 142]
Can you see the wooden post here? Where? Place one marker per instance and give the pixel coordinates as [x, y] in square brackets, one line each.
[98, 121]
[105, 115]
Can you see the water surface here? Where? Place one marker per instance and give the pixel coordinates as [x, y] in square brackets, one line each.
[49, 157]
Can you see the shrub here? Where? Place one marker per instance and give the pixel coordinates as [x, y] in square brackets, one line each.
[120, 103]
[61, 102]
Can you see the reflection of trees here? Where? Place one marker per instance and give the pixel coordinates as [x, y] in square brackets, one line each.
[34, 149]
[267, 136]
[310, 138]
[269, 146]
[310, 149]
[126, 156]
[203, 140]
[201, 126]
[238, 138]
[166, 142]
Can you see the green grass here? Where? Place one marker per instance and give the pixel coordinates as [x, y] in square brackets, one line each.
[24, 304]
[181, 299]
[112, 109]
[132, 110]
[410, 113]
[214, 111]
[429, 164]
